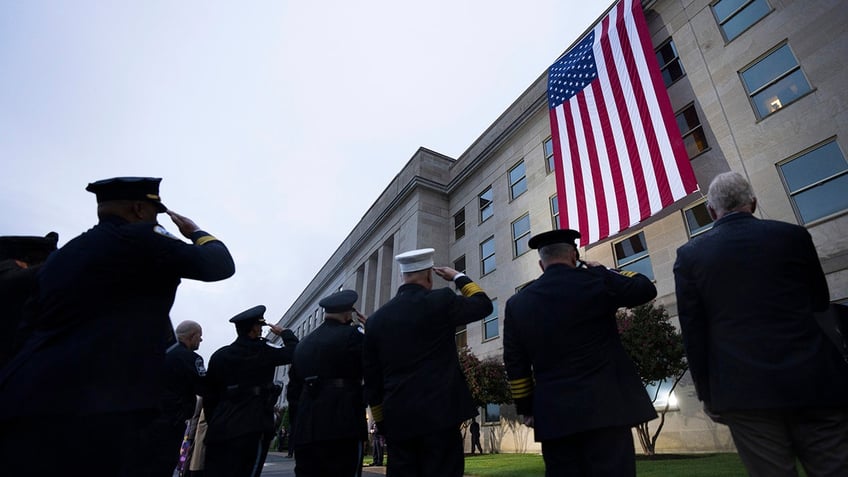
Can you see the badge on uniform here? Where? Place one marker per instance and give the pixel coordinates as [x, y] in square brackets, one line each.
[161, 231]
[198, 365]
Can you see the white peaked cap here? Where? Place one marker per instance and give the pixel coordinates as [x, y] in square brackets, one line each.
[415, 260]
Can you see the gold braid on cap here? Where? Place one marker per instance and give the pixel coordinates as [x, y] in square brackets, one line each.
[471, 289]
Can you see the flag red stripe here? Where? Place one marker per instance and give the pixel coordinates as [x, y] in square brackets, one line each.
[594, 166]
[559, 171]
[576, 168]
[612, 153]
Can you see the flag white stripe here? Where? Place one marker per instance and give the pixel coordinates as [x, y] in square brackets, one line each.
[603, 162]
[585, 168]
[570, 193]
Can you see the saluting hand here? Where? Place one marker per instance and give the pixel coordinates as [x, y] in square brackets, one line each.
[447, 273]
[276, 329]
[185, 224]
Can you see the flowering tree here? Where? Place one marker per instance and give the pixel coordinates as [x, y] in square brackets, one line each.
[486, 379]
[656, 348]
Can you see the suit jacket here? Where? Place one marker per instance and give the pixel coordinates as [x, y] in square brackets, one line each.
[746, 293]
[100, 320]
[184, 377]
[332, 403]
[565, 362]
[240, 390]
[413, 381]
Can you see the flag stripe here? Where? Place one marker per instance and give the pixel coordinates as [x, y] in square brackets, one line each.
[620, 157]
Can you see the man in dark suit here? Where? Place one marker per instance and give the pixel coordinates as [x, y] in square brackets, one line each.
[570, 376]
[241, 395]
[414, 384]
[746, 293]
[331, 427]
[94, 359]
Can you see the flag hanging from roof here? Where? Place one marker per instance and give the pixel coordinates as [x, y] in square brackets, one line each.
[619, 154]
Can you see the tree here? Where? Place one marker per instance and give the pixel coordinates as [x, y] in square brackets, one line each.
[656, 348]
[487, 381]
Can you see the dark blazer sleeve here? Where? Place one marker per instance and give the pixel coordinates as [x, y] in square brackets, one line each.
[693, 323]
[518, 365]
[206, 258]
[284, 355]
[815, 275]
[472, 306]
[373, 377]
[628, 288]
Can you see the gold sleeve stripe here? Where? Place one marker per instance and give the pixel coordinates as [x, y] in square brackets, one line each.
[377, 412]
[521, 388]
[471, 289]
[205, 239]
[628, 273]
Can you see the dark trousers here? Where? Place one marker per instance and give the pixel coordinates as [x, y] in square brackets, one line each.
[607, 452]
[436, 454]
[336, 458]
[241, 456]
[475, 442]
[769, 441]
[160, 450]
[101, 444]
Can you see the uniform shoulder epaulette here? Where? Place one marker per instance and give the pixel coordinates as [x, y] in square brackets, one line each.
[627, 273]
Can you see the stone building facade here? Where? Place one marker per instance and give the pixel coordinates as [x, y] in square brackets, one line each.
[758, 86]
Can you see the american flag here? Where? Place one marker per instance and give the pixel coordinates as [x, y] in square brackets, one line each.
[619, 154]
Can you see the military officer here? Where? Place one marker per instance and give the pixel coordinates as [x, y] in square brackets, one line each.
[241, 395]
[20, 259]
[414, 384]
[569, 373]
[330, 426]
[89, 375]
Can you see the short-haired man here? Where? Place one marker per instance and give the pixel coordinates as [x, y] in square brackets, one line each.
[413, 381]
[93, 362]
[746, 293]
[569, 373]
[241, 395]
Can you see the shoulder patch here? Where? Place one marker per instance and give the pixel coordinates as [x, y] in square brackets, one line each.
[198, 365]
[161, 231]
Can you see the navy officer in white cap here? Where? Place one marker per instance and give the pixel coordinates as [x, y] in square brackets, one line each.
[570, 376]
[414, 384]
[330, 426]
[241, 395]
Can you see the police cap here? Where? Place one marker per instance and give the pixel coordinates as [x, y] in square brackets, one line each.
[554, 236]
[30, 249]
[339, 302]
[128, 188]
[257, 313]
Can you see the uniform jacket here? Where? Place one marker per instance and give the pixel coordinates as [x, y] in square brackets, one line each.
[413, 381]
[560, 332]
[184, 378]
[101, 320]
[332, 403]
[241, 392]
[17, 283]
[746, 293]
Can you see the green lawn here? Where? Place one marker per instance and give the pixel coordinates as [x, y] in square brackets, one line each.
[531, 465]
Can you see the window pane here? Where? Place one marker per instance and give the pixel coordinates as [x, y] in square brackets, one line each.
[459, 224]
[631, 248]
[486, 209]
[459, 264]
[517, 180]
[781, 93]
[769, 68]
[493, 412]
[695, 142]
[487, 248]
[669, 63]
[489, 265]
[516, 173]
[521, 234]
[823, 200]
[725, 8]
[519, 188]
[698, 219]
[662, 395]
[745, 18]
[461, 336]
[643, 266]
[549, 155]
[814, 166]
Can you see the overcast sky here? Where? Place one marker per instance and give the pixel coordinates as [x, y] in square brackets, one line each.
[274, 124]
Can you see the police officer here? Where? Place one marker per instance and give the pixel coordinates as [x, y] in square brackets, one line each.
[414, 384]
[569, 374]
[241, 395]
[184, 377]
[89, 375]
[330, 426]
[20, 259]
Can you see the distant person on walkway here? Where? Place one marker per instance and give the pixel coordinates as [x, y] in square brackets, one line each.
[95, 357]
[475, 436]
[570, 376]
[241, 395]
[331, 425]
[414, 384]
[746, 294]
[20, 259]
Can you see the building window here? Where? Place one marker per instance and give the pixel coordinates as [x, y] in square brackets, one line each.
[486, 208]
[517, 180]
[670, 66]
[459, 224]
[490, 323]
[817, 181]
[554, 211]
[736, 16]
[492, 413]
[461, 337]
[487, 256]
[692, 131]
[550, 165]
[520, 235]
[632, 254]
[459, 264]
[775, 81]
[698, 219]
